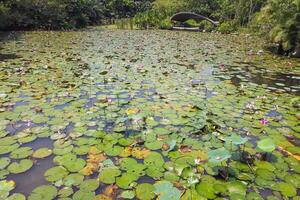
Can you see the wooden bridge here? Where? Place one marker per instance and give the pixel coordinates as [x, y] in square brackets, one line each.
[184, 16]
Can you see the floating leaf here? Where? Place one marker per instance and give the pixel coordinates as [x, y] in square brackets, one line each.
[45, 192]
[55, 173]
[126, 181]
[20, 167]
[286, 189]
[4, 162]
[128, 194]
[219, 155]
[83, 195]
[165, 190]
[206, 190]
[266, 145]
[89, 185]
[145, 191]
[20, 153]
[108, 175]
[42, 153]
[16, 196]
[236, 139]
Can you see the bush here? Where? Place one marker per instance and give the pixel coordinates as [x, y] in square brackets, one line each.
[207, 26]
[227, 27]
[149, 19]
[166, 24]
[280, 20]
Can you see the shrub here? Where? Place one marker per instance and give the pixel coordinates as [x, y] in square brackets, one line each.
[165, 24]
[227, 27]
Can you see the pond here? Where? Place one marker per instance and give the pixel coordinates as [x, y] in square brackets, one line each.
[116, 114]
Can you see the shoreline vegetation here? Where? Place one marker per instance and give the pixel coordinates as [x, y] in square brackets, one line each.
[277, 21]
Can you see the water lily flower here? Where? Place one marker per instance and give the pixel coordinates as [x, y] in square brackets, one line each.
[29, 122]
[109, 100]
[263, 121]
[222, 67]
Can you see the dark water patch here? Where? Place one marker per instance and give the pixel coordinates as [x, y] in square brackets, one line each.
[62, 106]
[19, 126]
[40, 143]
[27, 181]
[11, 56]
[286, 82]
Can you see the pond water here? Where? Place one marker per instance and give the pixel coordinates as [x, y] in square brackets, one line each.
[116, 114]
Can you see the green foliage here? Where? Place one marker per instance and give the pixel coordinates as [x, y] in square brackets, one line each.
[64, 14]
[207, 26]
[149, 19]
[226, 27]
[165, 24]
[280, 20]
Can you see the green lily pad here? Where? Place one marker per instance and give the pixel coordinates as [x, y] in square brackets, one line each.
[108, 175]
[45, 192]
[154, 171]
[89, 185]
[145, 191]
[219, 155]
[126, 181]
[154, 145]
[236, 187]
[286, 189]
[155, 159]
[70, 162]
[206, 190]
[65, 192]
[165, 190]
[16, 196]
[236, 139]
[83, 195]
[4, 162]
[20, 167]
[8, 148]
[266, 145]
[55, 173]
[42, 153]
[192, 194]
[21, 153]
[128, 194]
[73, 179]
[6, 186]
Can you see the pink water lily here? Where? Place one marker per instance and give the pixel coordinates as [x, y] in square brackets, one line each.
[29, 123]
[109, 100]
[263, 121]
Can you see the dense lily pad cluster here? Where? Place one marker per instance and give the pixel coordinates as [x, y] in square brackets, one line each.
[146, 115]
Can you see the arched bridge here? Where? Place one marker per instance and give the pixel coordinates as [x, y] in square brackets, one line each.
[184, 16]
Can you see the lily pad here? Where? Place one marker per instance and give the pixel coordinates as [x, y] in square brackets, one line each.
[286, 189]
[73, 179]
[45, 192]
[219, 155]
[108, 175]
[266, 145]
[206, 190]
[145, 191]
[42, 153]
[4, 162]
[89, 185]
[128, 194]
[165, 190]
[16, 196]
[236, 139]
[21, 153]
[20, 167]
[55, 173]
[126, 181]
